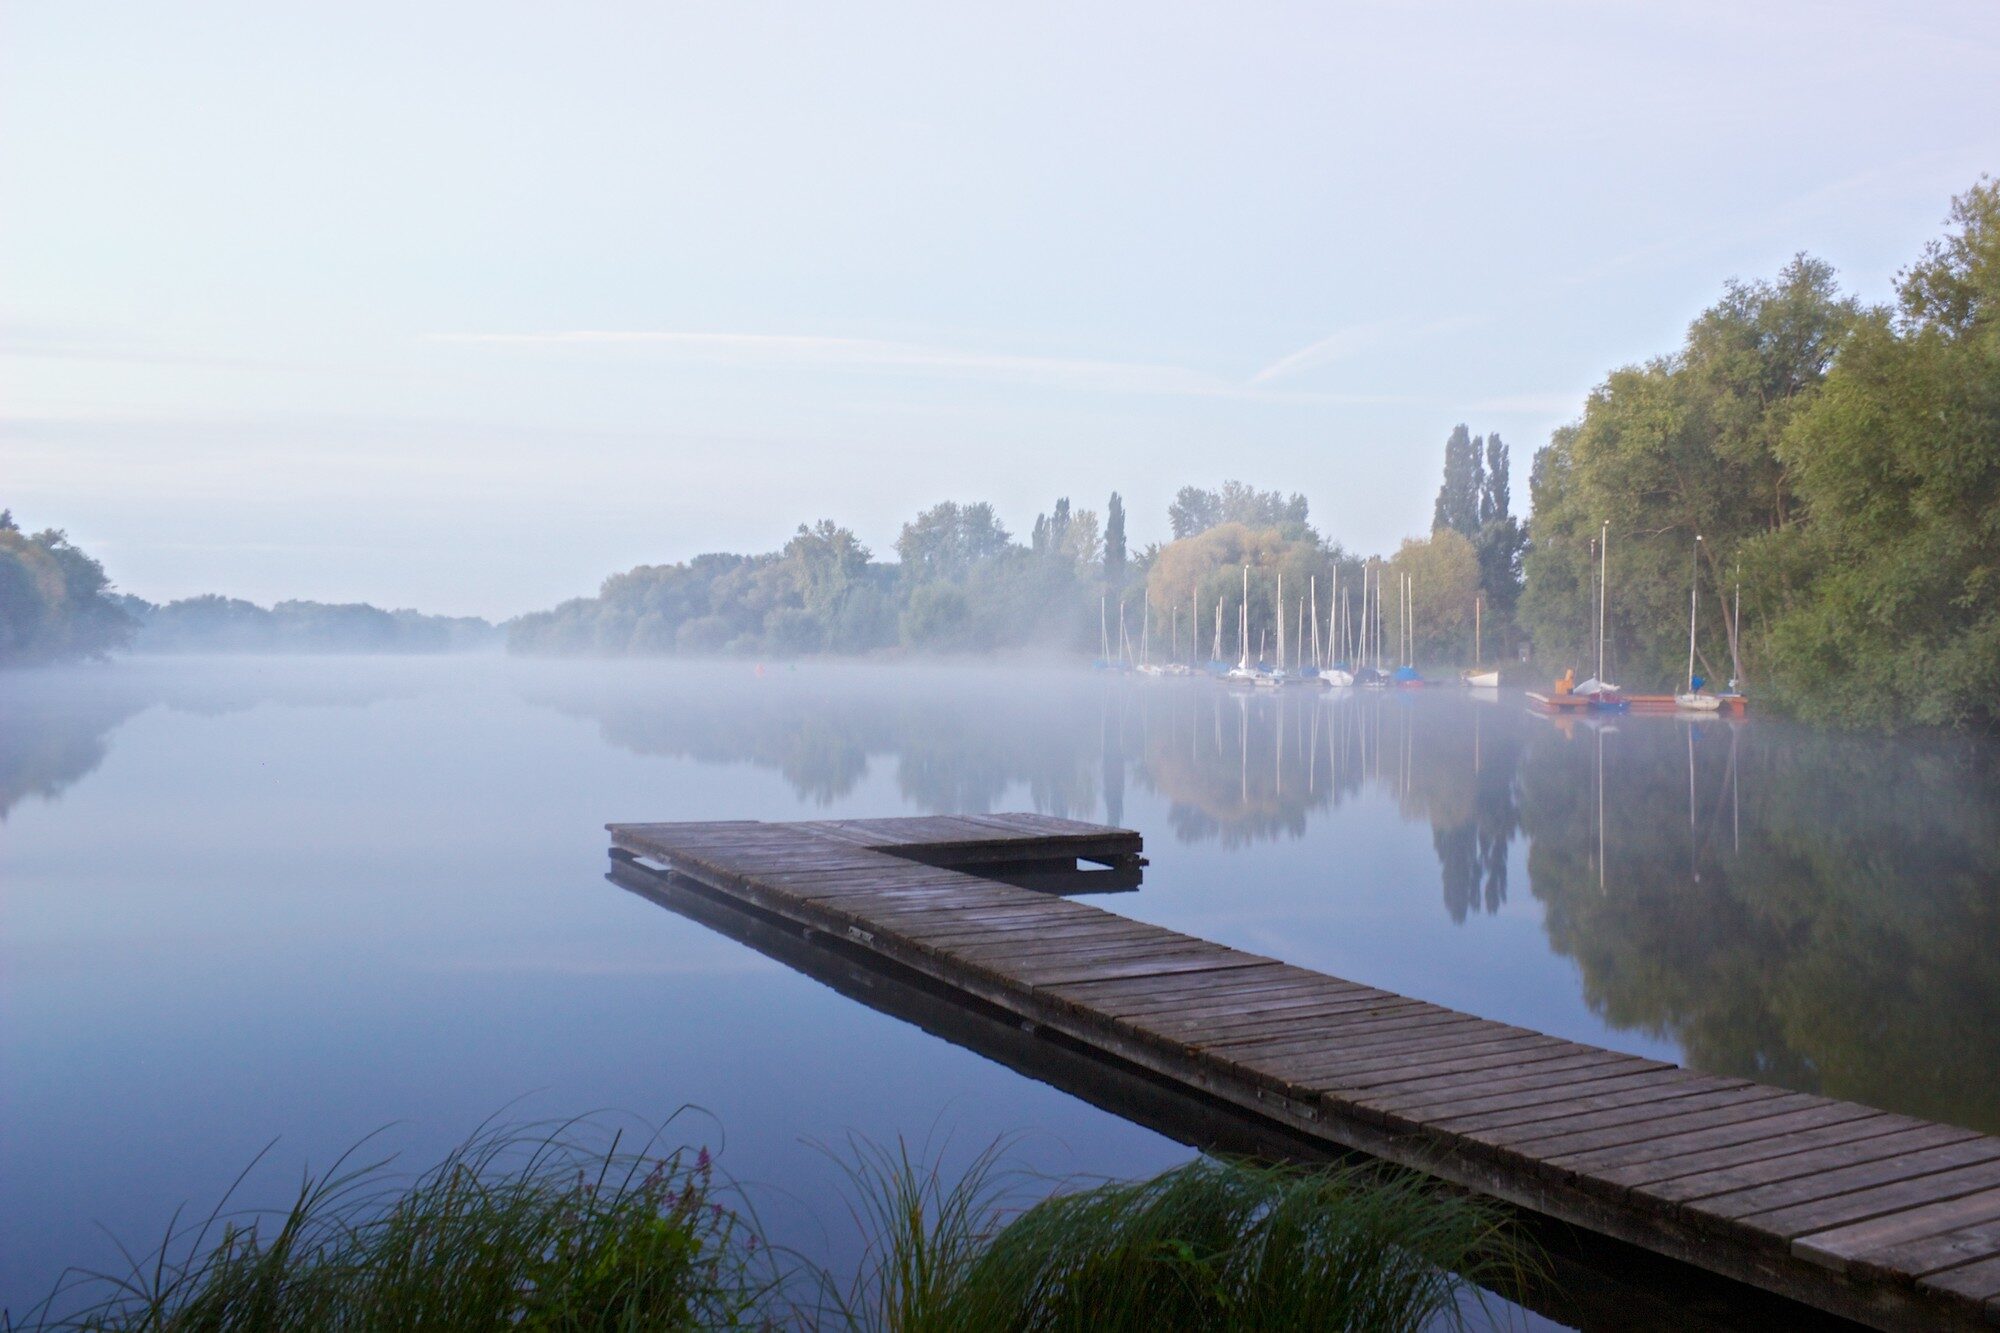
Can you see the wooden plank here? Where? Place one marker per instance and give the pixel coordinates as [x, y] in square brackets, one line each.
[1771, 1121]
[1554, 1109]
[1522, 1053]
[1416, 1099]
[1656, 1080]
[1818, 1164]
[1199, 963]
[1978, 1238]
[1977, 1283]
[1896, 1196]
[1853, 1248]
[1276, 1037]
[1645, 1122]
[1253, 1017]
[1361, 1055]
[1273, 992]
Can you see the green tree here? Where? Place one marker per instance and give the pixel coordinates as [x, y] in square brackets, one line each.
[1114, 541]
[1463, 490]
[56, 604]
[1683, 445]
[1444, 574]
[1883, 603]
[1194, 511]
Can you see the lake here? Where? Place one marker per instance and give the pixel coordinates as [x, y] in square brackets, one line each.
[289, 902]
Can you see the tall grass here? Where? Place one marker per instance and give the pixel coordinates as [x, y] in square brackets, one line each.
[554, 1229]
[1214, 1244]
[544, 1228]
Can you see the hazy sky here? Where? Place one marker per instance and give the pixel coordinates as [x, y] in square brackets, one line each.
[466, 306]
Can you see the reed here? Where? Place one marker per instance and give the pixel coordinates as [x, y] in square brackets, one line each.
[560, 1229]
[1215, 1244]
[546, 1227]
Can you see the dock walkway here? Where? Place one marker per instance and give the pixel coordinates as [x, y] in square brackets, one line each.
[1881, 1218]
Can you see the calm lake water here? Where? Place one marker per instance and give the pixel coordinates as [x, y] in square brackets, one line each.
[300, 900]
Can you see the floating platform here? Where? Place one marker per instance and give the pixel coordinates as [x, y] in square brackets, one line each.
[1560, 703]
[1864, 1214]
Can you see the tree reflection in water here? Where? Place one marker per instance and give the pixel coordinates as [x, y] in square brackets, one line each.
[1802, 908]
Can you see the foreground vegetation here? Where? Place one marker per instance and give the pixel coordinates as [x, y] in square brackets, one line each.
[543, 1230]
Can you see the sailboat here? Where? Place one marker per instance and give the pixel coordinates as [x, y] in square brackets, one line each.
[1597, 691]
[1371, 633]
[1331, 671]
[1105, 661]
[1479, 677]
[1215, 666]
[1406, 633]
[1243, 673]
[1733, 699]
[1146, 666]
[1692, 699]
[1271, 677]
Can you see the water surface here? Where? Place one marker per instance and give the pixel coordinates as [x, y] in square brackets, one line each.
[255, 900]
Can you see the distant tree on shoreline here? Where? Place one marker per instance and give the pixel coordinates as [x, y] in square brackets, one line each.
[55, 602]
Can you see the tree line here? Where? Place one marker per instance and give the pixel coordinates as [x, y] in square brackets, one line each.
[57, 604]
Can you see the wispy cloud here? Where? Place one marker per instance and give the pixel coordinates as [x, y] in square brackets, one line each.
[763, 349]
[1357, 338]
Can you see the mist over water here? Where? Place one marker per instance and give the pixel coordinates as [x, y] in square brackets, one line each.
[300, 899]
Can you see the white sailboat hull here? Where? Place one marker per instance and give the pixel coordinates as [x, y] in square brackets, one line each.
[1483, 680]
[1697, 703]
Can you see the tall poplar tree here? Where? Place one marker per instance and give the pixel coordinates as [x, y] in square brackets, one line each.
[1458, 500]
[1114, 541]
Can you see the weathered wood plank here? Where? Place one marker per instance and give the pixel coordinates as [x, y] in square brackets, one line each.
[1892, 1197]
[1856, 1247]
[1821, 1163]
[1554, 1109]
[1976, 1282]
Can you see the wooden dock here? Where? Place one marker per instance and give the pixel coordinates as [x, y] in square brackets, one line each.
[1871, 1216]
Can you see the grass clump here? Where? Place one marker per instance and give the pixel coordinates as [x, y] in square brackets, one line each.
[544, 1228]
[1215, 1244]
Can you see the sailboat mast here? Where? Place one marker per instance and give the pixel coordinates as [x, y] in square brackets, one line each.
[1478, 647]
[1319, 658]
[1378, 614]
[1243, 616]
[1694, 604]
[1736, 636]
[1103, 632]
[1278, 614]
[1333, 619]
[1603, 587]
